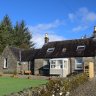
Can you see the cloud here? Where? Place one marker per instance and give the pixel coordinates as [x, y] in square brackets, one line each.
[71, 16]
[39, 39]
[79, 28]
[38, 32]
[82, 19]
[46, 26]
[83, 15]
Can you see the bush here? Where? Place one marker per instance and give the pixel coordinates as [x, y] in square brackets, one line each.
[67, 84]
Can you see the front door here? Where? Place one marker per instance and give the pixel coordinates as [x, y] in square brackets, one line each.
[66, 68]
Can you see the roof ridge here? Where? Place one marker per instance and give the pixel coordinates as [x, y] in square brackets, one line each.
[69, 40]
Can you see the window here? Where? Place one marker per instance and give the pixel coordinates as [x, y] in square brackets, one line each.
[53, 66]
[29, 65]
[64, 50]
[50, 49]
[78, 63]
[59, 64]
[80, 48]
[53, 63]
[56, 64]
[5, 63]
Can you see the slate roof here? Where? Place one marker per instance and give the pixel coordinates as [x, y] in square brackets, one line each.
[71, 49]
[62, 49]
[26, 55]
[16, 52]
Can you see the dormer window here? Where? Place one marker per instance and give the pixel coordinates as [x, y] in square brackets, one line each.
[50, 49]
[64, 50]
[81, 48]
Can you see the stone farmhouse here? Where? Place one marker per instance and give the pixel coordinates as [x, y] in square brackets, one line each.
[59, 58]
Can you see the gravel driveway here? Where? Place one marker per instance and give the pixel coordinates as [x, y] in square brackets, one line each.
[87, 89]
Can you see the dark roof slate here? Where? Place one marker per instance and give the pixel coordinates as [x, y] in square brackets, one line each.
[16, 52]
[69, 46]
[71, 49]
[25, 55]
[28, 55]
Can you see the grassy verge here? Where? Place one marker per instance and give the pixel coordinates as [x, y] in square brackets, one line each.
[9, 85]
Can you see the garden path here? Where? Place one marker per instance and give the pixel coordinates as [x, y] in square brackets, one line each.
[87, 89]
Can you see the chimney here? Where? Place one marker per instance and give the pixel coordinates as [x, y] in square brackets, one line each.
[46, 38]
[94, 33]
[94, 28]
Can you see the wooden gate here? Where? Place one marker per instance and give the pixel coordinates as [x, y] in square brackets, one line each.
[89, 69]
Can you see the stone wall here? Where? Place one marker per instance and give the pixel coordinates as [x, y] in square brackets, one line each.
[38, 66]
[11, 61]
[85, 59]
[23, 66]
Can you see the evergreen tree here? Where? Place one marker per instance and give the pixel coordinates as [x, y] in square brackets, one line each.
[5, 32]
[18, 35]
[22, 36]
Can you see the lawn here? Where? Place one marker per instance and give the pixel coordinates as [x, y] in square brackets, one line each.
[9, 85]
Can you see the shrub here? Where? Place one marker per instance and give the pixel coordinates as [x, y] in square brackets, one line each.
[66, 85]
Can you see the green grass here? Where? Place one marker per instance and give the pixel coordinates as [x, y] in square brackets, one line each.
[9, 85]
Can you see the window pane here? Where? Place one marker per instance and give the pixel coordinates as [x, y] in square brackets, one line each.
[59, 61]
[53, 66]
[5, 63]
[80, 48]
[61, 66]
[50, 49]
[79, 63]
[79, 60]
[53, 62]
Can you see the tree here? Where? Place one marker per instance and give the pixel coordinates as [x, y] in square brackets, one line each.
[22, 36]
[5, 32]
[18, 35]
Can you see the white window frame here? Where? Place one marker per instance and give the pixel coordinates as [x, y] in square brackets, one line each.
[5, 63]
[77, 63]
[50, 49]
[59, 66]
[53, 64]
[80, 47]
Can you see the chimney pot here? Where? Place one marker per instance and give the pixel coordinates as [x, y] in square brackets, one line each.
[94, 28]
[46, 35]
[46, 38]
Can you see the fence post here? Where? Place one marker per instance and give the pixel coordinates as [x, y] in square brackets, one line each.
[91, 70]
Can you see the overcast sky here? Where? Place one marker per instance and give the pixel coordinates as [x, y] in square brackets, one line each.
[61, 19]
